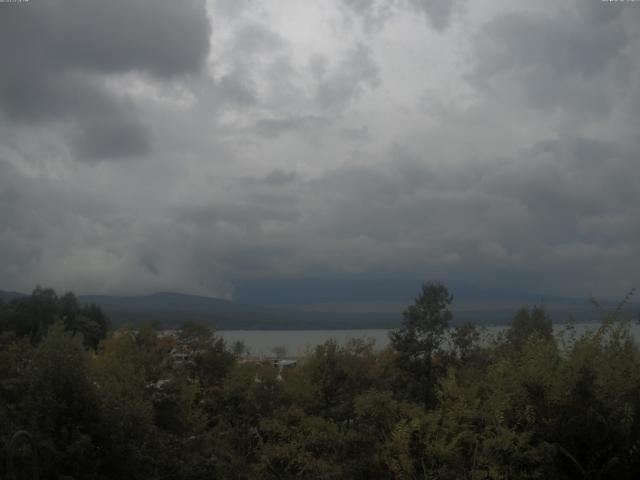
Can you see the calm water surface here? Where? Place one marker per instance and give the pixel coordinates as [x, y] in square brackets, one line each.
[299, 342]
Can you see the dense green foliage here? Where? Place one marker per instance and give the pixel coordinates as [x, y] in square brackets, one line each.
[30, 317]
[439, 403]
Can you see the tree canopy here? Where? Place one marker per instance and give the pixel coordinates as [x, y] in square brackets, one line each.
[440, 402]
[419, 341]
[31, 317]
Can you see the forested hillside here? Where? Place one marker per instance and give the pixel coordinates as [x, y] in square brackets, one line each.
[135, 404]
[169, 310]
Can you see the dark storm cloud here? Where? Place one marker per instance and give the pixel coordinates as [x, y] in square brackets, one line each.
[162, 37]
[579, 59]
[55, 55]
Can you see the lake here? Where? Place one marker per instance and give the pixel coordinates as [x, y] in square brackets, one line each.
[298, 342]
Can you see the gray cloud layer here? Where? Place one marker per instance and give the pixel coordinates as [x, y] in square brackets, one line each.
[374, 13]
[347, 139]
[583, 59]
[56, 54]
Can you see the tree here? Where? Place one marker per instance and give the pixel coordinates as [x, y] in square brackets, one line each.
[210, 359]
[527, 323]
[64, 403]
[93, 324]
[212, 363]
[418, 342]
[464, 340]
[337, 375]
[87, 320]
[240, 348]
[195, 334]
[32, 316]
[127, 434]
[296, 445]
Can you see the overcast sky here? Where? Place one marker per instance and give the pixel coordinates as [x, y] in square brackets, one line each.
[154, 145]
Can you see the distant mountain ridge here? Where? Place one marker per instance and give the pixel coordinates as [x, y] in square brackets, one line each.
[8, 296]
[168, 309]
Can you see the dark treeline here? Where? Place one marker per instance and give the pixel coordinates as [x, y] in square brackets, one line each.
[436, 404]
[31, 317]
